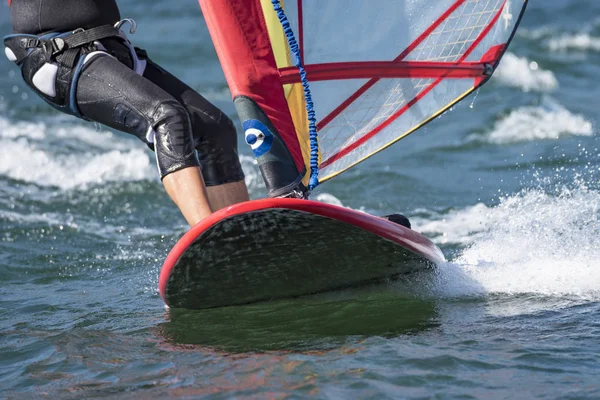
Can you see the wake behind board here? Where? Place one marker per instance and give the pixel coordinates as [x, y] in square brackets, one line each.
[284, 248]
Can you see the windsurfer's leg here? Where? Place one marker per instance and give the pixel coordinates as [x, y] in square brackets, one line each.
[110, 93]
[215, 139]
[186, 188]
[226, 194]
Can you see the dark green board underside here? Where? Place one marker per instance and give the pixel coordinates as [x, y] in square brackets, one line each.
[281, 253]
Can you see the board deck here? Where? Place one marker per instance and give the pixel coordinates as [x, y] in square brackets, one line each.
[283, 248]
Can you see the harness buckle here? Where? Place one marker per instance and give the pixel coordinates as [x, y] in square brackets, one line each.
[30, 43]
[58, 45]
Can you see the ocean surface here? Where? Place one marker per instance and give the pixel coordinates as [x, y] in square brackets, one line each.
[507, 183]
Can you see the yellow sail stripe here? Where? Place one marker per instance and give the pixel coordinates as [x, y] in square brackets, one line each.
[294, 93]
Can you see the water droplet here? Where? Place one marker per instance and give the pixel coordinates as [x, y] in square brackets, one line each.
[474, 98]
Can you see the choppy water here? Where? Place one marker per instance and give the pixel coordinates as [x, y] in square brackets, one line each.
[508, 186]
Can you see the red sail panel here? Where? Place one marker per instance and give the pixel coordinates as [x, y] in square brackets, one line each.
[240, 36]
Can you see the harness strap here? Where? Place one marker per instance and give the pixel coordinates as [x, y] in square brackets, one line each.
[68, 58]
[64, 47]
[81, 37]
[67, 49]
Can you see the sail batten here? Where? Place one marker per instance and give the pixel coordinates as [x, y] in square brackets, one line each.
[386, 69]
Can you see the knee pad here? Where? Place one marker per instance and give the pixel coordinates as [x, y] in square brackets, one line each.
[172, 138]
[218, 155]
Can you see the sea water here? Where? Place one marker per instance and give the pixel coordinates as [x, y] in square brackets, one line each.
[508, 185]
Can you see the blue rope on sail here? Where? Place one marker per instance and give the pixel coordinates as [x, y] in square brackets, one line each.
[312, 120]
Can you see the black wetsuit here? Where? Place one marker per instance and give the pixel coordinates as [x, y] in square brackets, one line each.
[158, 108]
[38, 16]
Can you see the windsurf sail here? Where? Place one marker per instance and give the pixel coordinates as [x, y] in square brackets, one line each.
[378, 71]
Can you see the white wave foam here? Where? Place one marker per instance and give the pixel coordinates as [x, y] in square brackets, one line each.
[329, 199]
[13, 130]
[101, 156]
[579, 42]
[254, 182]
[100, 138]
[548, 121]
[583, 40]
[530, 243]
[87, 135]
[537, 33]
[23, 161]
[519, 72]
[459, 227]
[50, 219]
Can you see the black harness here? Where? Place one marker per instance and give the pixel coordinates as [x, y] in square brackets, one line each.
[63, 52]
